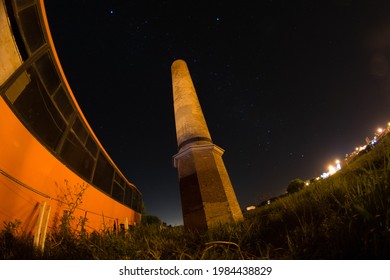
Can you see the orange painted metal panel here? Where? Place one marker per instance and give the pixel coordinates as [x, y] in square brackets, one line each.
[42, 177]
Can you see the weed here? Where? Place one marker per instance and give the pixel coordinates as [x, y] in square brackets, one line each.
[345, 216]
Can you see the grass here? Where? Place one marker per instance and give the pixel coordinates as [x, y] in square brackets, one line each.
[345, 216]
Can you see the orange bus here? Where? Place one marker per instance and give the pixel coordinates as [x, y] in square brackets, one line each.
[50, 159]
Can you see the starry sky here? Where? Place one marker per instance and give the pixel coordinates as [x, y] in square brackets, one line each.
[286, 87]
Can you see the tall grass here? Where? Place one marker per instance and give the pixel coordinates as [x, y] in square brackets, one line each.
[345, 216]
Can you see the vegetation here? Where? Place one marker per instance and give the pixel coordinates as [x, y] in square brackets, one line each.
[150, 219]
[345, 216]
[295, 185]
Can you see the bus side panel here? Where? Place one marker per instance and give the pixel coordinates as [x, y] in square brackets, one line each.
[23, 158]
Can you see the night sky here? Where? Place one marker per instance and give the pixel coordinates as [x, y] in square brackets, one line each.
[286, 87]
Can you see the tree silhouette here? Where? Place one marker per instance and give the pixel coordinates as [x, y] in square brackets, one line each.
[295, 185]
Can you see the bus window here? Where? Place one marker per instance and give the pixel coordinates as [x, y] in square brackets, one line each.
[23, 3]
[104, 174]
[136, 202]
[80, 130]
[48, 73]
[128, 196]
[38, 111]
[63, 103]
[77, 157]
[17, 87]
[32, 31]
[118, 192]
[91, 146]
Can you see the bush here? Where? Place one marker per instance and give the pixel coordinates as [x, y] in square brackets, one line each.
[295, 185]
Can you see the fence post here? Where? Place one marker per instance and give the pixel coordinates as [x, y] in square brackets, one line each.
[126, 222]
[41, 227]
[45, 224]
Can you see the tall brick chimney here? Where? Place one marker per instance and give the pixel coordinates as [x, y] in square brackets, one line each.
[207, 195]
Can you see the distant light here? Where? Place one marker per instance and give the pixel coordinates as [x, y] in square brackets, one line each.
[332, 170]
[111, 12]
[324, 175]
[361, 148]
[380, 132]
